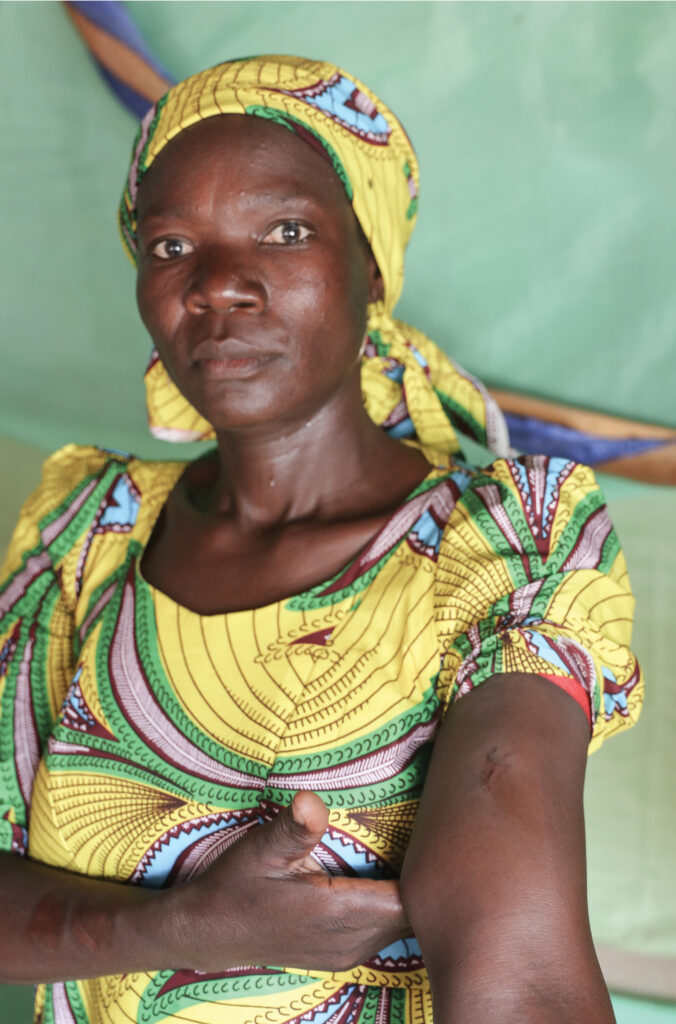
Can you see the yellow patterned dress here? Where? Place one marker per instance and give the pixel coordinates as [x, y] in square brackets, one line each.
[139, 739]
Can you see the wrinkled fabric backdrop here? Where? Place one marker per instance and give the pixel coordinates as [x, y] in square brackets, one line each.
[544, 262]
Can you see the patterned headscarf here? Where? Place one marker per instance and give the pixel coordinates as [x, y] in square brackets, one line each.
[410, 387]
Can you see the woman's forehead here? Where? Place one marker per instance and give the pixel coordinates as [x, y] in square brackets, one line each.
[249, 152]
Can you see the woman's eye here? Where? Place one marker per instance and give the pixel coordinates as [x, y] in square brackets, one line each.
[288, 233]
[171, 248]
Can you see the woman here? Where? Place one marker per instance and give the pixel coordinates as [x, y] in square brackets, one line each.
[184, 647]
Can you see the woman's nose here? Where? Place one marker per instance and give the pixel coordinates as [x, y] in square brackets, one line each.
[222, 283]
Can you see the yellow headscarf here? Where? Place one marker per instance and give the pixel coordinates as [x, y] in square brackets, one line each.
[410, 387]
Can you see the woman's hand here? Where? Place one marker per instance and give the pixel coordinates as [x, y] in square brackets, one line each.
[267, 901]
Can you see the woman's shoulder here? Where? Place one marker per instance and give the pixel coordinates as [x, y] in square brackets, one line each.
[75, 469]
[68, 470]
[527, 515]
[535, 473]
[538, 495]
[83, 485]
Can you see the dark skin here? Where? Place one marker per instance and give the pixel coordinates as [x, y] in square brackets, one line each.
[263, 335]
[253, 282]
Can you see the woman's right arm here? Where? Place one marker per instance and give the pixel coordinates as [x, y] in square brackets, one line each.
[59, 926]
[264, 901]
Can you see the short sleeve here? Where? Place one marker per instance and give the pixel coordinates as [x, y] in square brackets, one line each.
[36, 634]
[531, 578]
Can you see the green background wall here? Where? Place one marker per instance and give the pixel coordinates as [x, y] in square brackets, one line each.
[544, 258]
[543, 261]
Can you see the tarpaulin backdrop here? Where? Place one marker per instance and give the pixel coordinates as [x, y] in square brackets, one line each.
[544, 262]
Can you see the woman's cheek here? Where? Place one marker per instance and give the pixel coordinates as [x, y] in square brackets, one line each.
[156, 303]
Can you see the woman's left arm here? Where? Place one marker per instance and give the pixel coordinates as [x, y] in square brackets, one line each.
[494, 880]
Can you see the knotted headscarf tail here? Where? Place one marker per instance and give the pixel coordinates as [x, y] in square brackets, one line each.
[410, 387]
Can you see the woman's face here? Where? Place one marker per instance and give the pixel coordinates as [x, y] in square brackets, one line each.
[253, 275]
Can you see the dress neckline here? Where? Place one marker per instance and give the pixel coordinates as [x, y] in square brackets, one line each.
[436, 474]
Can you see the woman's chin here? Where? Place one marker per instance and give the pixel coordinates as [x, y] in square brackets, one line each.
[237, 403]
[248, 416]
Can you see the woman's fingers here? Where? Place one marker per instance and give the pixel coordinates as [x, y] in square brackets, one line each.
[375, 902]
[267, 900]
[288, 840]
[310, 810]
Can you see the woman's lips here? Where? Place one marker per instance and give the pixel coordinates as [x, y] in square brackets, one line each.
[224, 364]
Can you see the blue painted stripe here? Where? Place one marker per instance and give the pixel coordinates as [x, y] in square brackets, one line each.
[136, 103]
[529, 434]
[113, 17]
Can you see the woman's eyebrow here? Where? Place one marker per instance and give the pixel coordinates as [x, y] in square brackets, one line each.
[286, 196]
[160, 210]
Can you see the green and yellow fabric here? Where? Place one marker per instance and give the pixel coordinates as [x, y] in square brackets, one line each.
[139, 739]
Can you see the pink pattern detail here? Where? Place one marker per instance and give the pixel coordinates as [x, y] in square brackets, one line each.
[55, 746]
[439, 500]
[196, 858]
[580, 660]
[399, 413]
[205, 851]
[96, 610]
[536, 473]
[144, 713]
[311, 91]
[26, 741]
[34, 567]
[539, 515]
[469, 665]
[349, 1009]
[360, 102]
[52, 531]
[589, 545]
[63, 1012]
[521, 601]
[19, 836]
[363, 771]
[140, 146]
[331, 861]
[96, 527]
[413, 962]
[493, 501]
[77, 715]
[383, 1008]
[420, 548]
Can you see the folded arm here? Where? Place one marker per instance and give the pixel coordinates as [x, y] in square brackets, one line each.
[494, 881]
[263, 901]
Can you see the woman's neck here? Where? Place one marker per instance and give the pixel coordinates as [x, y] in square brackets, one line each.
[324, 466]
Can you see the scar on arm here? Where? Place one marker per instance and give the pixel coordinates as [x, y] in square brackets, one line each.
[46, 923]
[494, 762]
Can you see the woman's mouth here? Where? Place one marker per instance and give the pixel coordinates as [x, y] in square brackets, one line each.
[229, 361]
[223, 369]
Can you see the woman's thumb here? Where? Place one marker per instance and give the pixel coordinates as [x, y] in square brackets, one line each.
[298, 828]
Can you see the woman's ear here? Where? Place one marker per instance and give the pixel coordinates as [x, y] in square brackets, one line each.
[376, 284]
